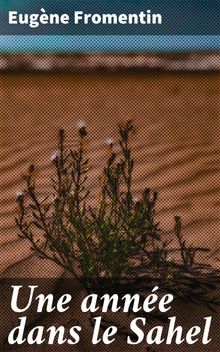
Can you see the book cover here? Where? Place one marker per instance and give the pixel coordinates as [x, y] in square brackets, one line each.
[109, 169]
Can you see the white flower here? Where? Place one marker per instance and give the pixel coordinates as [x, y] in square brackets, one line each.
[110, 141]
[19, 194]
[55, 198]
[80, 124]
[54, 156]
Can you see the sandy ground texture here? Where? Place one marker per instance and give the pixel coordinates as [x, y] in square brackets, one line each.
[176, 149]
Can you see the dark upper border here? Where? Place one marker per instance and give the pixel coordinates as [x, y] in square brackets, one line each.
[110, 62]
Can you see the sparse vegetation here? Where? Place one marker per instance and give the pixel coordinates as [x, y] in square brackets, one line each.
[116, 243]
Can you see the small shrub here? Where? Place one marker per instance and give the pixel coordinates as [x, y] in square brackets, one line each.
[117, 242]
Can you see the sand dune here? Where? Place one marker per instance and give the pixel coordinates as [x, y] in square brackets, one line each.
[176, 146]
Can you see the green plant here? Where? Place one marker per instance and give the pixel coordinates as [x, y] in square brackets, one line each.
[116, 240]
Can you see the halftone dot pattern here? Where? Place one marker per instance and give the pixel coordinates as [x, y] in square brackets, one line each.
[110, 43]
[176, 147]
